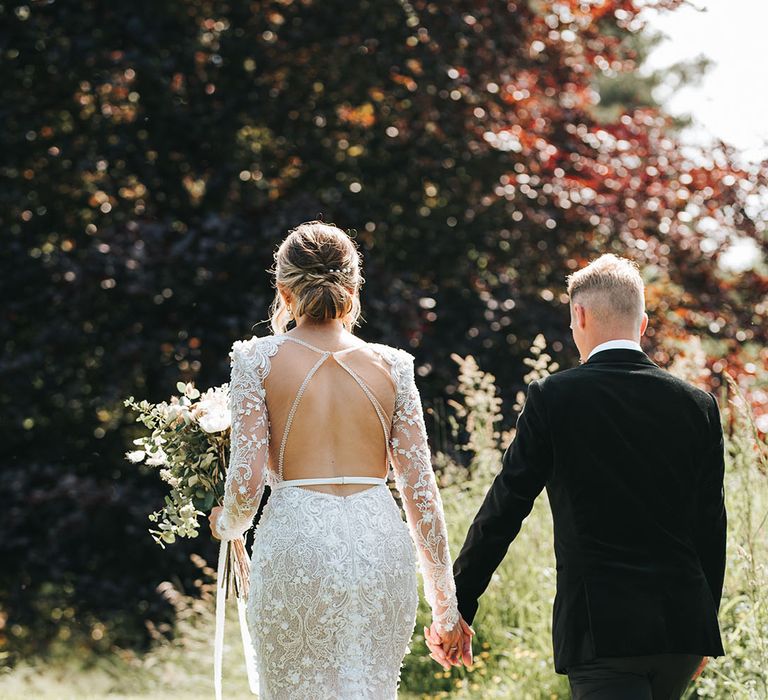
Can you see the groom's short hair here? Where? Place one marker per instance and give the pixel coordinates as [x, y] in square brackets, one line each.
[611, 286]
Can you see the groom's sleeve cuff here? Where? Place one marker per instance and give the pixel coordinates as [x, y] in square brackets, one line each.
[467, 608]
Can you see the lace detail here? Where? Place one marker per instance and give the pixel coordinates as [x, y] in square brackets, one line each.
[249, 439]
[415, 480]
[332, 602]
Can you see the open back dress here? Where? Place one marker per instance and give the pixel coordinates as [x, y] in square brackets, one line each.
[333, 588]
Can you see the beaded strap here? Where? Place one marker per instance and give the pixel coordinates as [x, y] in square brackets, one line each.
[294, 408]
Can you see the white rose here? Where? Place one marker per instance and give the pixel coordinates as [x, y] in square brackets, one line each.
[213, 410]
[215, 421]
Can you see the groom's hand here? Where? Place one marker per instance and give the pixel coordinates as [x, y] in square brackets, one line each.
[466, 649]
[452, 643]
[451, 649]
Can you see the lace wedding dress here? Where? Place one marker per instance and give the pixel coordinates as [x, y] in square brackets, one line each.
[333, 590]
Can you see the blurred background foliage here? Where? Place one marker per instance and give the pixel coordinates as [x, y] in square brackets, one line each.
[154, 153]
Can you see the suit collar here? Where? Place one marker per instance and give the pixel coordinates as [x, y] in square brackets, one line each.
[616, 344]
[620, 355]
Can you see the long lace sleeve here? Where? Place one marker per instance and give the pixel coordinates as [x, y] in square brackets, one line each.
[249, 440]
[415, 480]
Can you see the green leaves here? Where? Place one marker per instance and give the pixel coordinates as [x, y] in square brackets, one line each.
[188, 390]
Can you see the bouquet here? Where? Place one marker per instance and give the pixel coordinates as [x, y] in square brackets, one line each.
[188, 440]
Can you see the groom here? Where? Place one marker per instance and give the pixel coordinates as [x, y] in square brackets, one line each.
[632, 460]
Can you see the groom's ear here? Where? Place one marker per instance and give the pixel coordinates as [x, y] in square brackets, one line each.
[644, 324]
[579, 315]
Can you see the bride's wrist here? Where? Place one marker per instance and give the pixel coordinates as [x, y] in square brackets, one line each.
[448, 622]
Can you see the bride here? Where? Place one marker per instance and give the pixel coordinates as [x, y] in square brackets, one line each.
[320, 416]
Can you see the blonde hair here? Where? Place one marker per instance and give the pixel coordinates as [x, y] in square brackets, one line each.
[611, 287]
[319, 265]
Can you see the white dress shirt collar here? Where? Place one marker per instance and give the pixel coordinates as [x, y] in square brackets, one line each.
[616, 345]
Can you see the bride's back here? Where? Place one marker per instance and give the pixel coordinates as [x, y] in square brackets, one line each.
[329, 396]
[330, 402]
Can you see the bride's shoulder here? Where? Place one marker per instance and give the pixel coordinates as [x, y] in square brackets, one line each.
[391, 353]
[256, 350]
[401, 362]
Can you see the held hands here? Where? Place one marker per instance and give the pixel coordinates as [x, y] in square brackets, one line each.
[453, 647]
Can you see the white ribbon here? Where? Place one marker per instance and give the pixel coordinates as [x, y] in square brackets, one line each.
[250, 657]
[218, 640]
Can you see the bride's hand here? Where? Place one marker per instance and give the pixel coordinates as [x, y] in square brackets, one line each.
[434, 644]
[213, 519]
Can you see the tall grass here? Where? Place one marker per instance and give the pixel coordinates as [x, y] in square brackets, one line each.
[513, 646]
[513, 649]
[743, 672]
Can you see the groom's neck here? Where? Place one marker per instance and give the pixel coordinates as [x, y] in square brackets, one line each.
[608, 335]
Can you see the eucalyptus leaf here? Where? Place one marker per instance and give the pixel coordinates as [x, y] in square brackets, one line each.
[207, 502]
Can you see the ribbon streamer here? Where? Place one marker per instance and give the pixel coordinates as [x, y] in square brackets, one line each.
[218, 640]
[250, 657]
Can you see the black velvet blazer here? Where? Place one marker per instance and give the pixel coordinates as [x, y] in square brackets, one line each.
[632, 461]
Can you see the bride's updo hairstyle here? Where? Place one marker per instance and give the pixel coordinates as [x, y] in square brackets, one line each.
[319, 265]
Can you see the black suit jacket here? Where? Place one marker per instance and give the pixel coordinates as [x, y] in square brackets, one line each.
[632, 460]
